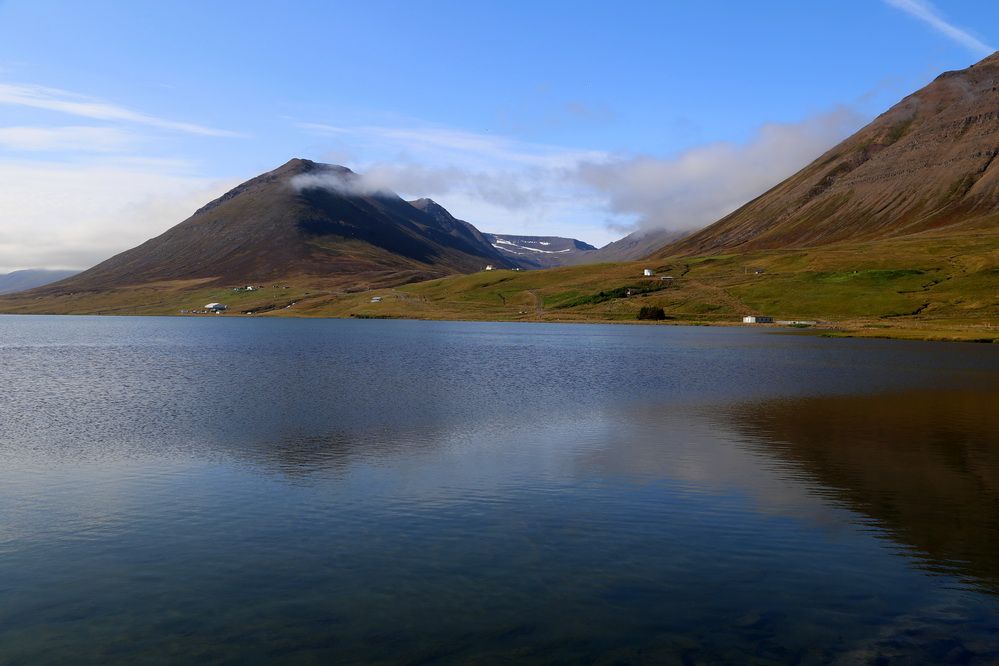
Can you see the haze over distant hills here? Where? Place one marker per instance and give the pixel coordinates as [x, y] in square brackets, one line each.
[925, 165]
[30, 278]
[636, 245]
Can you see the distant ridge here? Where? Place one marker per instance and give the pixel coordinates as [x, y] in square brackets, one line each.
[30, 278]
[636, 245]
[552, 251]
[540, 251]
[925, 165]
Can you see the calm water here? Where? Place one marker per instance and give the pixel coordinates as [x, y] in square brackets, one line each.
[292, 491]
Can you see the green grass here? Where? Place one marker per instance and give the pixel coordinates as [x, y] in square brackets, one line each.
[871, 277]
[912, 287]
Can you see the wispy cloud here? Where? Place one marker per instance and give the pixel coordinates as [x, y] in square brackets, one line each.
[702, 185]
[500, 183]
[72, 138]
[61, 101]
[438, 141]
[496, 182]
[927, 13]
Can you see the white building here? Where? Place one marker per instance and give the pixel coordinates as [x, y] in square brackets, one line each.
[216, 307]
[489, 267]
[376, 299]
[757, 319]
[648, 272]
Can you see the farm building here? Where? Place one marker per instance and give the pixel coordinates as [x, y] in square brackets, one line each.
[757, 319]
[489, 267]
[648, 272]
[216, 307]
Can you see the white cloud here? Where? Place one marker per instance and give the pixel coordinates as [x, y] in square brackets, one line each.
[706, 183]
[75, 215]
[346, 183]
[501, 184]
[927, 13]
[61, 101]
[495, 182]
[72, 138]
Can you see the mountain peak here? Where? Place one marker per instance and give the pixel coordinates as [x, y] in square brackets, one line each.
[427, 204]
[298, 165]
[434, 210]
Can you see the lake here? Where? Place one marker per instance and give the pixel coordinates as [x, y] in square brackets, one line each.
[243, 490]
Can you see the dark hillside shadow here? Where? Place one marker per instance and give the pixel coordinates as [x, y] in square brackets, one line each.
[923, 465]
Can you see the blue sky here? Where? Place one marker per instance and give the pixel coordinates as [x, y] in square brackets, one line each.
[118, 119]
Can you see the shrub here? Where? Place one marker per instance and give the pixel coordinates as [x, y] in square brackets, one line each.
[650, 312]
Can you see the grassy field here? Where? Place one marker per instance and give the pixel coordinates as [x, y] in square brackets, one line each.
[928, 288]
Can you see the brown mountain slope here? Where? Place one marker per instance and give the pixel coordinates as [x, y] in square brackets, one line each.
[302, 219]
[926, 164]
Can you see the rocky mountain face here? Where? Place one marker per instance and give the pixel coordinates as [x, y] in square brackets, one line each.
[463, 233]
[530, 252]
[925, 165]
[15, 281]
[301, 219]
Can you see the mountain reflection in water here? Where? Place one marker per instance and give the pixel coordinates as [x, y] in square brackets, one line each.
[924, 465]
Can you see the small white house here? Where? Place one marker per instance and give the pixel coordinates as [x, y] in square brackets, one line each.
[757, 319]
[490, 267]
[376, 299]
[648, 272]
[216, 307]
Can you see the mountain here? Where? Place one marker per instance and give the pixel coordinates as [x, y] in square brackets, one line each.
[461, 231]
[30, 278]
[925, 165]
[303, 219]
[540, 251]
[553, 251]
[636, 245]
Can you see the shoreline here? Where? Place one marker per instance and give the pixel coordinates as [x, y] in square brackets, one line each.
[846, 330]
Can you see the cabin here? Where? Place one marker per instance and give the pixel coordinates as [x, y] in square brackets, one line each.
[216, 307]
[490, 267]
[757, 319]
[648, 272]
